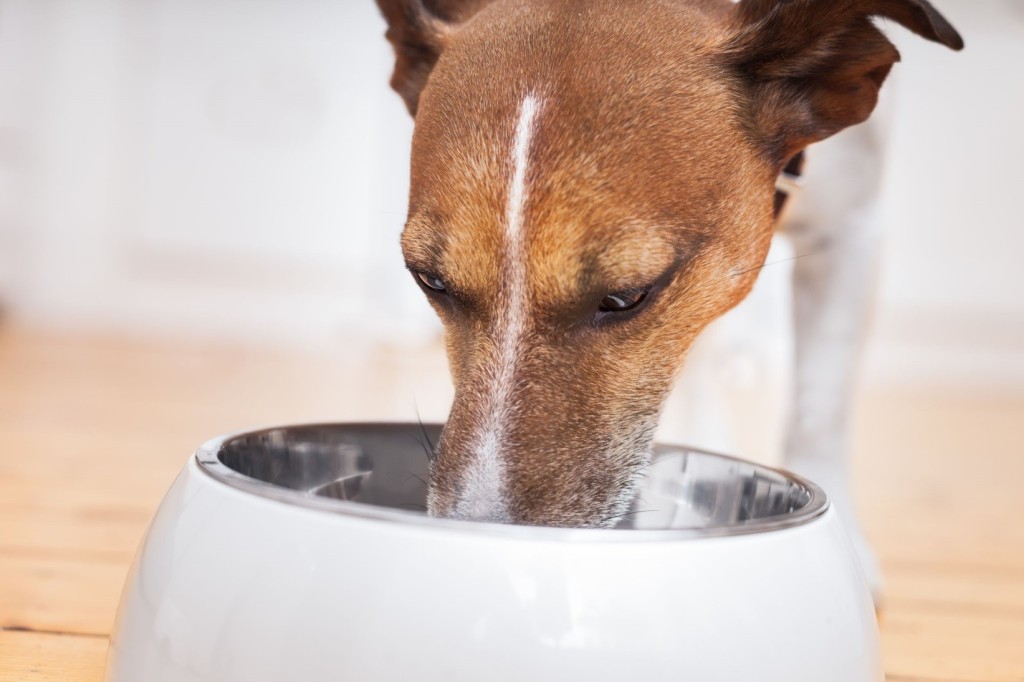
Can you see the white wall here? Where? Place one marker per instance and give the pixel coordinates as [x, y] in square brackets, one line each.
[238, 169]
[952, 288]
[204, 167]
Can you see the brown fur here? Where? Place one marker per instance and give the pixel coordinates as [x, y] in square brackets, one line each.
[664, 125]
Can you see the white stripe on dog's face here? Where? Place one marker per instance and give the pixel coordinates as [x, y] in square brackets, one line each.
[482, 495]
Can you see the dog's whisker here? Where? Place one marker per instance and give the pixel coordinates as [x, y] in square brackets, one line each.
[643, 467]
[420, 479]
[629, 513]
[432, 452]
[428, 447]
[779, 262]
[428, 450]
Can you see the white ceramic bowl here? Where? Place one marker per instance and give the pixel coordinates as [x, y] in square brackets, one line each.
[298, 554]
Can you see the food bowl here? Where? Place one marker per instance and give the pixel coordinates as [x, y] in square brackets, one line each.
[303, 553]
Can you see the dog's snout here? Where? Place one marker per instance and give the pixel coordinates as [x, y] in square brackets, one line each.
[487, 509]
[469, 479]
[472, 503]
[478, 501]
[523, 484]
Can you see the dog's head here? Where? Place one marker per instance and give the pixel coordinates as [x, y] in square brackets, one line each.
[592, 184]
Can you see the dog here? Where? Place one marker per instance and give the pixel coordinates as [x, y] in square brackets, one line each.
[593, 182]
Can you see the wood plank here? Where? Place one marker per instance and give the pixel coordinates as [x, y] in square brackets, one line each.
[43, 657]
[60, 595]
[93, 431]
[965, 588]
[936, 645]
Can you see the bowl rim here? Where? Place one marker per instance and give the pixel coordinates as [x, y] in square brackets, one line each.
[208, 461]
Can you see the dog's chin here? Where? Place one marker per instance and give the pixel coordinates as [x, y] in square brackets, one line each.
[557, 520]
[443, 507]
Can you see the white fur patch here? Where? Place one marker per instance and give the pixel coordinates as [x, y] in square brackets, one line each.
[483, 494]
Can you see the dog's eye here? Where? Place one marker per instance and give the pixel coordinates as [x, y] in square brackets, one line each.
[622, 301]
[431, 282]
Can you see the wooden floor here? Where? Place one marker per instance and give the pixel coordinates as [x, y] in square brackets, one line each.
[92, 432]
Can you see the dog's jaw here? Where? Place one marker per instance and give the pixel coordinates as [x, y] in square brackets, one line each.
[482, 494]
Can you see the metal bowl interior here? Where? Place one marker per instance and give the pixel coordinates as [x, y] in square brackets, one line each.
[380, 471]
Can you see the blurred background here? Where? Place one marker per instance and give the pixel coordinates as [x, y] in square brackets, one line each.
[200, 203]
[215, 171]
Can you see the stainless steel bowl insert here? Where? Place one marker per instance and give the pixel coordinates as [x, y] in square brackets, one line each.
[380, 471]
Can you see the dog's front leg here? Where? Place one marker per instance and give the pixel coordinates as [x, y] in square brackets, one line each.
[834, 229]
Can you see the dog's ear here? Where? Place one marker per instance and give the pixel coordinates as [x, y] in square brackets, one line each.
[814, 67]
[418, 30]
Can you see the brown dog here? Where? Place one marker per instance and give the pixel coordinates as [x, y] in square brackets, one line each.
[592, 184]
